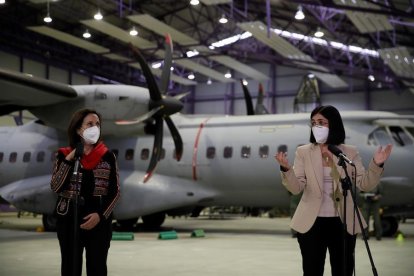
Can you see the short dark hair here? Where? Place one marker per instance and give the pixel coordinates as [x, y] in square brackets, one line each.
[336, 126]
[76, 123]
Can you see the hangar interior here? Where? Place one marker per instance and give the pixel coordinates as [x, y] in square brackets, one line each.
[362, 57]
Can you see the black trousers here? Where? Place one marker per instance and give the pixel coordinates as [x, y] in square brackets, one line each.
[326, 233]
[96, 243]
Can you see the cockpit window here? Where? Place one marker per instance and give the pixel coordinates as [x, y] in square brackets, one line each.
[400, 137]
[379, 137]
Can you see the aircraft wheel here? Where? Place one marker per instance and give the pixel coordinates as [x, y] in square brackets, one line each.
[49, 222]
[389, 226]
[154, 220]
[127, 223]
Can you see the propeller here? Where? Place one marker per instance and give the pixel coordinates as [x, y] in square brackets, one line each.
[160, 106]
[247, 98]
[260, 108]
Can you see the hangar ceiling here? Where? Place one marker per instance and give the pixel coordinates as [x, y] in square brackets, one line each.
[362, 38]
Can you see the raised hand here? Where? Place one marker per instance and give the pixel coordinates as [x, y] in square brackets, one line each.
[282, 159]
[382, 154]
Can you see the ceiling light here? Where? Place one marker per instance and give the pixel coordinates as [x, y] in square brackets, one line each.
[191, 76]
[86, 34]
[133, 31]
[245, 83]
[2, 2]
[299, 13]
[223, 19]
[227, 75]
[47, 18]
[209, 81]
[371, 78]
[319, 33]
[156, 65]
[194, 2]
[172, 68]
[98, 15]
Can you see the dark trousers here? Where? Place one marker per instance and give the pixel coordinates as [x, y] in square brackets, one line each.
[326, 233]
[96, 243]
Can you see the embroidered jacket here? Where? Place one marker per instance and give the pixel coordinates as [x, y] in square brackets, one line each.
[98, 189]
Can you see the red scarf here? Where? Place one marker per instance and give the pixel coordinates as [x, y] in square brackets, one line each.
[92, 159]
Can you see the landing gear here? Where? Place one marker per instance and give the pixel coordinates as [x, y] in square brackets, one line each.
[389, 226]
[154, 220]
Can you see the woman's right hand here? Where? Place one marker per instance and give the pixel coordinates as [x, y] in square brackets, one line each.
[282, 159]
[71, 155]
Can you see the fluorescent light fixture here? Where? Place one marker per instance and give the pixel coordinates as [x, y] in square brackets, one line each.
[172, 68]
[192, 53]
[209, 81]
[98, 15]
[191, 76]
[227, 75]
[230, 40]
[223, 19]
[87, 34]
[133, 31]
[371, 78]
[299, 13]
[311, 76]
[194, 2]
[245, 82]
[156, 65]
[2, 2]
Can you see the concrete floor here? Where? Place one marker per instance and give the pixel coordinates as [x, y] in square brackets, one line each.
[231, 246]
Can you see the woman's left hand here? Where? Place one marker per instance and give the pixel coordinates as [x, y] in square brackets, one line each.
[382, 154]
[91, 221]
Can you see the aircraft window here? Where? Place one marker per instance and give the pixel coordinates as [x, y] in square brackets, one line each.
[379, 137]
[410, 130]
[129, 154]
[1, 157]
[264, 151]
[228, 152]
[211, 152]
[13, 157]
[26, 157]
[245, 152]
[400, 136]
[41, 156]
[144, 154]
[115, 152]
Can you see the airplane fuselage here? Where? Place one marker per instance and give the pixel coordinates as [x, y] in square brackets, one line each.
[227, 161]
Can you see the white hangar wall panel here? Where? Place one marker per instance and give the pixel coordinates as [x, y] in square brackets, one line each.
[9, 61]
[78, 79]
[59, 75]
[34, 68]
[401, 102]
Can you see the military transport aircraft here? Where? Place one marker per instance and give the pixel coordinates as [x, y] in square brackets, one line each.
[202, 160]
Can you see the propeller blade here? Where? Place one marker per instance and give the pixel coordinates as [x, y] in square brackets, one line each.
[182, 95]
[140, 118]
[156, 149]
[178, 142]
[166, 70]
[247, 99]
[260, 108]
[152, 84]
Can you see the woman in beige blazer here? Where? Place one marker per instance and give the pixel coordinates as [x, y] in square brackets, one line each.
[319, 216]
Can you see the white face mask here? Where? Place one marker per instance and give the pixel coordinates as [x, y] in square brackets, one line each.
[91, 135]
[320, 133]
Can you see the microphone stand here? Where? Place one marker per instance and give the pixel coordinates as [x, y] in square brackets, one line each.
[347, 185]
[76, 181]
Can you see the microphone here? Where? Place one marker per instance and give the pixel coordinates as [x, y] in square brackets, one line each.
[338, 153]
[78, 155]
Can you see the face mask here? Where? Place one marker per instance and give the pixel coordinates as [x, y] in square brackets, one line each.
[91, 135]
[320, 133]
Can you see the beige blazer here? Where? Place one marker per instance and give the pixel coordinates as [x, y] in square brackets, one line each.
[307, 176]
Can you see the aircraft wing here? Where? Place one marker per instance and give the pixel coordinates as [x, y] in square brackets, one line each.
[25, 91]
